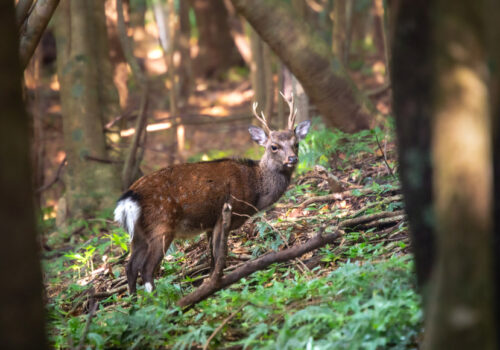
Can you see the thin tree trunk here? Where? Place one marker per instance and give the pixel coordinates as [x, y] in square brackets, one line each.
[91, 178]
[21, 296]
[308, 57]
[339, 29]
[185, 68]
[131, 171]
[164, 17]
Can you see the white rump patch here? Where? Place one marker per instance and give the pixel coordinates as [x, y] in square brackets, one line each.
[149, 287]
[127, 213]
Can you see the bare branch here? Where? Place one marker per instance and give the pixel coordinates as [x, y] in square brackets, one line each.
[35, 25]
[55, 179]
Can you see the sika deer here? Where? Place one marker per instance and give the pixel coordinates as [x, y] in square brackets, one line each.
[182, 201]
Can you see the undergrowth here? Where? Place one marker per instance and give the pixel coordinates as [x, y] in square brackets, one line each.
[360, 294]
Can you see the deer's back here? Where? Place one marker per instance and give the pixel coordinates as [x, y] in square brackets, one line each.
[189, 197]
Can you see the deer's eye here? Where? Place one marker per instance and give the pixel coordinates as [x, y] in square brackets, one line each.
[274, 148]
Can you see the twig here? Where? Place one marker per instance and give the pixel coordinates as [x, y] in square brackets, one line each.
[93, 308]
[385, 158]
[55, 179]
[217, 330]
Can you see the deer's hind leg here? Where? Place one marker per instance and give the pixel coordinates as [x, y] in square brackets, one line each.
[139, 249]
[158, 244]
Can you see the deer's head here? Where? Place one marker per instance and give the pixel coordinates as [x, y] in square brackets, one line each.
[282, 146]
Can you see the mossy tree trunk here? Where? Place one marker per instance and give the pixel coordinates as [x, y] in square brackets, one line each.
[88, 99]
[309, 59]
[442, 98]
[21, 295]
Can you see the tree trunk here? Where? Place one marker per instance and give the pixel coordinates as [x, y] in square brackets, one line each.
[411, 79]
[493, 13]
[217, 51]
[460, 313]
[261, 74]
[339, 29]
[21, 307]
[309, 59]
[92, 183]
[185, 68]
[442, 96]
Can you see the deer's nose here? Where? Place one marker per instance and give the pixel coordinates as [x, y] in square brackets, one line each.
[292, 159]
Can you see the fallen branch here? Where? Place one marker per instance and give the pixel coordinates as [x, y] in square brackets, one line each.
[338, 196]
[378, 89]
[386, 221]
[207, 289]
[368, 218]
[334, 196]
[111, 292]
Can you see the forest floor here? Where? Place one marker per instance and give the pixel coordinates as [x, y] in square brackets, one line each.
[357, 293]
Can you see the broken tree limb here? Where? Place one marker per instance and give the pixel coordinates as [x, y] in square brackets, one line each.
[221, 243]
[206, 290]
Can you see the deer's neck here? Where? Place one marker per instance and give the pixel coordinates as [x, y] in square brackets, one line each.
[272, 185]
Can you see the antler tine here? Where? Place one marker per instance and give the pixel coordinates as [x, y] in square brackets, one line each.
[293, 113]
[262, 120]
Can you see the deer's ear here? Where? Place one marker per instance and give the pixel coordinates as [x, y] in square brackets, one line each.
[302, 129]
[258, 135]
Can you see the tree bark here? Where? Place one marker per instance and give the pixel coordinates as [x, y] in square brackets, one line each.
[309, 59]
[442, 97]
[21, 296]
[493, 13]
[411, 78]
[339, 29]
[91, 184]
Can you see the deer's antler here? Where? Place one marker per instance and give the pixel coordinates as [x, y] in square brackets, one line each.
[293, 113]
[261, 119]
